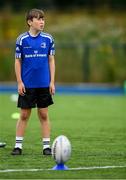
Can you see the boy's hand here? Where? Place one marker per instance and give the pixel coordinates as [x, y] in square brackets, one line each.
[52, 88]
[21, 89]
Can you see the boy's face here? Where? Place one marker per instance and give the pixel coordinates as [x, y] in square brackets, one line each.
[37, 24]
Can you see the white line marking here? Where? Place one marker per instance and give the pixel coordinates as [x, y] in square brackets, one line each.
[23, 170]
[97, 167]
[78, 168]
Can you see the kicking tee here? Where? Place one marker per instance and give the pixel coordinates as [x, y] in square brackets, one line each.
[34, 55]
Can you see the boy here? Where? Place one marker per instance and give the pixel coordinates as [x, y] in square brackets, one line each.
[35, 72]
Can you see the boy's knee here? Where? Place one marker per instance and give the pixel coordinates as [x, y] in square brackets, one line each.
[44, 116]
[24, 116]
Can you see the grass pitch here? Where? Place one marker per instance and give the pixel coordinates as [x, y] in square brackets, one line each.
[95, 125]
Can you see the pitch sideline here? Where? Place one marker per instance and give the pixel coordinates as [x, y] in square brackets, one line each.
[70, 169]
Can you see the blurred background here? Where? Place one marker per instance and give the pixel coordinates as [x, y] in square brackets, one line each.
[90, 38]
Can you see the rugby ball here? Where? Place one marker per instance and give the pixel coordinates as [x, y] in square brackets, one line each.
[61, 149]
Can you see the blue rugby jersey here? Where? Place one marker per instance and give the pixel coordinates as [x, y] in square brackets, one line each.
[34, 53]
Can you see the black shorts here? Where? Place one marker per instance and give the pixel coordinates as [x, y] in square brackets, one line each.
[33, 97]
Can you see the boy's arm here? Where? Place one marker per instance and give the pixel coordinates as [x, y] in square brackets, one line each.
[52, 74]
[21, 87]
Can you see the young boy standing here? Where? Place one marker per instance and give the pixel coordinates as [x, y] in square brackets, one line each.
[35, 72]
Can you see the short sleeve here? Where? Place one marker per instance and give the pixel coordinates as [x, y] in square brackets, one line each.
[18, 50]
[52, 47]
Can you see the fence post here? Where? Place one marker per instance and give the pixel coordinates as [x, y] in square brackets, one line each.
[86, 64]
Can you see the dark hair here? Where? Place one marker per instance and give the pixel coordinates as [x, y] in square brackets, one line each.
[34, 13]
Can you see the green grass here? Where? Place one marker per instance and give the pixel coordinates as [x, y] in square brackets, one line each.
[95, 125]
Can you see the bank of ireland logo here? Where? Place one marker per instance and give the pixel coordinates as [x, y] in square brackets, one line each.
[43, 45]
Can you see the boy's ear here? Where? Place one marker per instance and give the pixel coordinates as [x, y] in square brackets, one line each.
[29, 22]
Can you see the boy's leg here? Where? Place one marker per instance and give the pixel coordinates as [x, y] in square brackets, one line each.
[22, 122]
[20, 130]
[45, 127]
